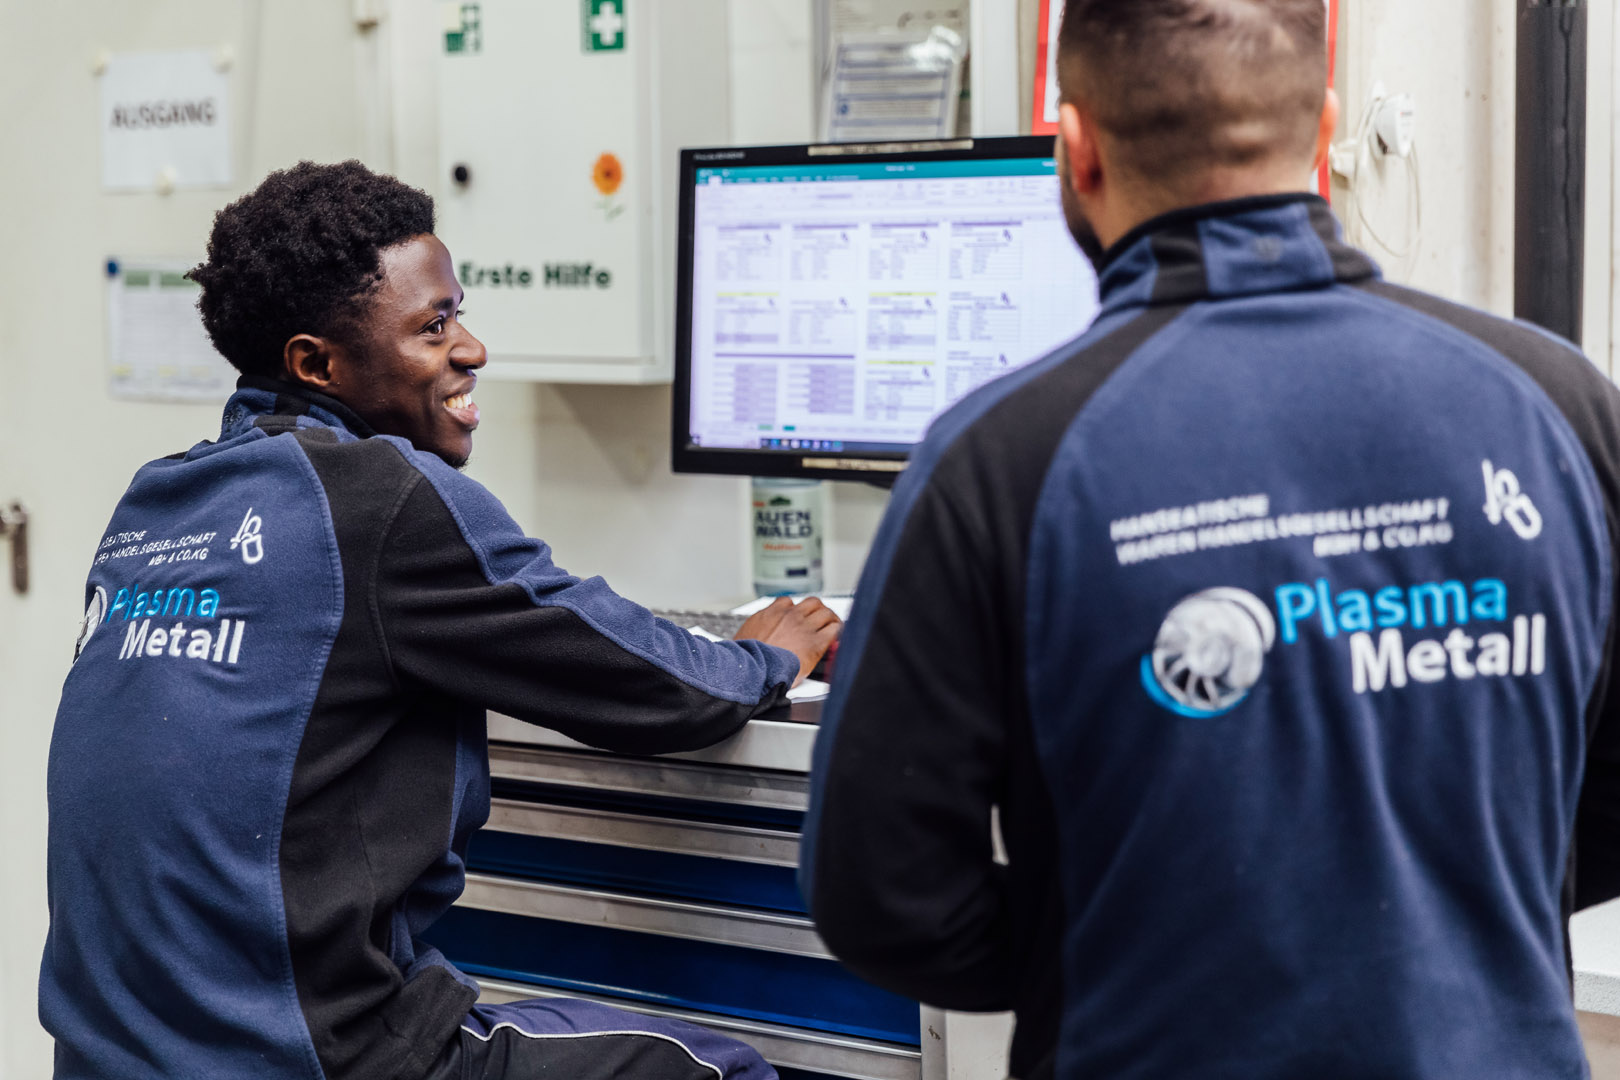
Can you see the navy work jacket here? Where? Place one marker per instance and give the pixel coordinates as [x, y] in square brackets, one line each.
[1272, 618]
[270, 750]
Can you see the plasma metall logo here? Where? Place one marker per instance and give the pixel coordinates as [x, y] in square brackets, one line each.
[1209, 653]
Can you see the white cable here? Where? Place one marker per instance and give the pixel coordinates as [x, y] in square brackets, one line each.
[1352, 176]
[1414, 210]
[1371, 231]
[1417, 202]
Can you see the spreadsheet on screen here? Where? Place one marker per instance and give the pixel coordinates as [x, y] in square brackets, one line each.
[842, 307]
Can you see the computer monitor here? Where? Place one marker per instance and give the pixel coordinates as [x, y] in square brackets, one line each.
[833, 300]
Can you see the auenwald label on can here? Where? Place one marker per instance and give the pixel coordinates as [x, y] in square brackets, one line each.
[788, 518]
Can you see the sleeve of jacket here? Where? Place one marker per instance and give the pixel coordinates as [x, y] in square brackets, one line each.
[469, 606]
[1593, 408]
[1590, 403]
[897, 863]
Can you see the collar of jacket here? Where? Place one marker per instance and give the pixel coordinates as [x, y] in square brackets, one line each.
[258, 397]
[1267, 244]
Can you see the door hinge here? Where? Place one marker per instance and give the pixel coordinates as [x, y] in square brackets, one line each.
[14, 526]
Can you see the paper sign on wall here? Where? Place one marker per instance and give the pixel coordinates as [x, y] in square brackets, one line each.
[157, 349]
[165, 121]
[887, 16]
[894, 87]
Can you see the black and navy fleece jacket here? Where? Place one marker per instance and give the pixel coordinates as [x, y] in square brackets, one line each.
[1274, 616]
[270, 750]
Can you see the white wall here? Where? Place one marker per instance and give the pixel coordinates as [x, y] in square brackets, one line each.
[1457, 59]
[65, 447]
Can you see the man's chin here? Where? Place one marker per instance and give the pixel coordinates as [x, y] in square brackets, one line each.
[455, 458]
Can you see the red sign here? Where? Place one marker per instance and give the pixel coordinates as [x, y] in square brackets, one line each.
[1046, 98]
[1324, 179]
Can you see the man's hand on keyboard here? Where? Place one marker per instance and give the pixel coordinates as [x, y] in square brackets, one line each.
[806, 629]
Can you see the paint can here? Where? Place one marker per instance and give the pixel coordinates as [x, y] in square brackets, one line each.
[789, 519]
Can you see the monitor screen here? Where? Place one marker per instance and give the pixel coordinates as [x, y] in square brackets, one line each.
[833, 302]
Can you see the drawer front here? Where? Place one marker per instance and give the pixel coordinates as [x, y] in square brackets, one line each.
[766, 846]
[657, 873]
[749, 982]
[748, 865]
[754, 790]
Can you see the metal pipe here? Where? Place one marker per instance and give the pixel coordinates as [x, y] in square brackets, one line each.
[1550, 174]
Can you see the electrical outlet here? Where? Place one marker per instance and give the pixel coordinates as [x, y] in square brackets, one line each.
[1395, 125]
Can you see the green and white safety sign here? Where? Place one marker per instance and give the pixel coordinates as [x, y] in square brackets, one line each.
[602, 25]
[463, 28]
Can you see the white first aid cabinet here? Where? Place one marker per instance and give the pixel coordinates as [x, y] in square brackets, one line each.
[560, 125]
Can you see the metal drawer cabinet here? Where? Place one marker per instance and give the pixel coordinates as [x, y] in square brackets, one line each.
[666, 886]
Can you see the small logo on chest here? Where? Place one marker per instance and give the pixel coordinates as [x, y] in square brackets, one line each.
[248, 538]
[1505, 501]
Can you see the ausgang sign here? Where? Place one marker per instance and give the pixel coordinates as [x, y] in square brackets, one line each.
[165, 122]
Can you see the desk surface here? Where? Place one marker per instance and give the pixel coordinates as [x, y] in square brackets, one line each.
[782, 739]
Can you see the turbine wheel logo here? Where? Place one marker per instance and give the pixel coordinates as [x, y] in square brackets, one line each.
[92, 619]
[1209, 652]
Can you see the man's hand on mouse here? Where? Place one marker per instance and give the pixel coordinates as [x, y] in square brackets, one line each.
[806, 629]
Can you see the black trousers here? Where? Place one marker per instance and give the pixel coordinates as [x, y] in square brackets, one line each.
[558, 1039]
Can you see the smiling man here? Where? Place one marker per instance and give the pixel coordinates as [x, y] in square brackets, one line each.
[270, 751]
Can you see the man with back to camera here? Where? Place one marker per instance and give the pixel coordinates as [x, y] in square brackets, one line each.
[270, 750]
[1272, 617]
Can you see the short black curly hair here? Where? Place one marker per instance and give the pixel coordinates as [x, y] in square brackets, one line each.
[298, 255]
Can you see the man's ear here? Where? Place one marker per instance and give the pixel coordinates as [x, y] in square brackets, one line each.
[308, 360]
[1326, 127]
[1078, 138]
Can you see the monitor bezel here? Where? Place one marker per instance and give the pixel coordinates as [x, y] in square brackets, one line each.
[878, 468]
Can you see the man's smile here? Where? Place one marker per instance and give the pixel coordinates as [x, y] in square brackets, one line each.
[462, 408]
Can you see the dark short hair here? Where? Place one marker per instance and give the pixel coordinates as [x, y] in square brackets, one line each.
[299, 255]
[1181, 86]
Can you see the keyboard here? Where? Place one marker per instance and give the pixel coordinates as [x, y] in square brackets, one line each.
[719, 623]
[726, 623]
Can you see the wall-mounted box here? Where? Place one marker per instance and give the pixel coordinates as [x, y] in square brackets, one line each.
[560, 125]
